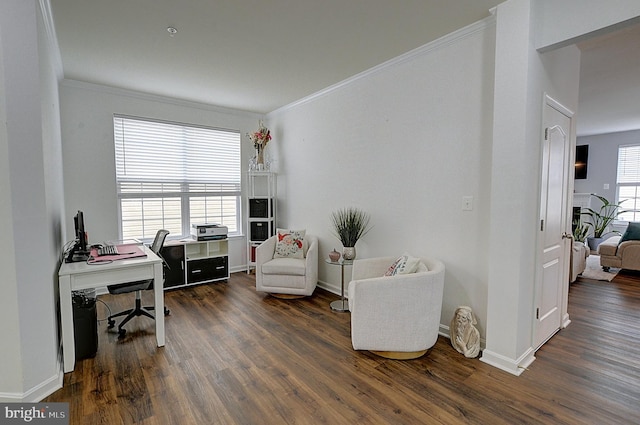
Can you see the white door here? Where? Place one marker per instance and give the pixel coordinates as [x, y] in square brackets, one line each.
[555, 225]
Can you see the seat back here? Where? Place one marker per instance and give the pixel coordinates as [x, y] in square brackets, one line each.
[158, 242]
[140, 285]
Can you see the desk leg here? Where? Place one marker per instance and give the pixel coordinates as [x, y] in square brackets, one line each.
[158, 289]
[66, 316]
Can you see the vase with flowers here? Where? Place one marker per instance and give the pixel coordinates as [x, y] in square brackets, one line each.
[260, 138]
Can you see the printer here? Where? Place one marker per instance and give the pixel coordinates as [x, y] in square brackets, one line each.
[208, 232]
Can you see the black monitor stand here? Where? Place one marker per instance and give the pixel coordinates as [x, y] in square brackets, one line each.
[76, 255]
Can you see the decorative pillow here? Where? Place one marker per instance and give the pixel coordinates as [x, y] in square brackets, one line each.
[632, 233]
[405, 264]
[290, 243]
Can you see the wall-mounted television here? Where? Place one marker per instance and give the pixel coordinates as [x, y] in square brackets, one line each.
[582, 159]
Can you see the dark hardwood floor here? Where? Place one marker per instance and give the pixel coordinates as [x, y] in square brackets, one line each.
[234, 356]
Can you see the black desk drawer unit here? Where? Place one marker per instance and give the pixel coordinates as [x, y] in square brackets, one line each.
[192, 262]
[207, 269]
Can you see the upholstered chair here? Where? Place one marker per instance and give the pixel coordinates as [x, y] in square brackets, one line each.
[395, 316]
[579, 254]
[283, 275]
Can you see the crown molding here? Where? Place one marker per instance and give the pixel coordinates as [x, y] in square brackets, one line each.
[117, 91]
[437, 44]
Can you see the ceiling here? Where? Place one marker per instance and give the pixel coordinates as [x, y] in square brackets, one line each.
[252, 55]
[610, 83]
[258, 56]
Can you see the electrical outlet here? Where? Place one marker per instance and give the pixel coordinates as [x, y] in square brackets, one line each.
[467, 203]
[606, 186]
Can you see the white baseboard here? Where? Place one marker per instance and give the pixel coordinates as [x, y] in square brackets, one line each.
[237, 269]
[37, 393]
[513, 366]
[334, 289]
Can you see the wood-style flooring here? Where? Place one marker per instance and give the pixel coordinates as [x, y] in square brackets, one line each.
[234, 356]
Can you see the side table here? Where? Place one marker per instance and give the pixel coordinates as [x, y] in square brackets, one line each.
[340, 305]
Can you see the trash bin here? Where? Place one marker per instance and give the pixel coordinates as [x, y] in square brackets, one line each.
[85, 323]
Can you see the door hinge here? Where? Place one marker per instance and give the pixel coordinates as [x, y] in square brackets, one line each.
[542, 225]
[537, 313]
[546, 133]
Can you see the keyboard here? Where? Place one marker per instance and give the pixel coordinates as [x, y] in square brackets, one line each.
[108, 250]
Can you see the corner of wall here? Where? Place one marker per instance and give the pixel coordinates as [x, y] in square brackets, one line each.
[513, 366]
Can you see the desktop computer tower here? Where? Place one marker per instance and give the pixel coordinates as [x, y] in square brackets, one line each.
[85, 324]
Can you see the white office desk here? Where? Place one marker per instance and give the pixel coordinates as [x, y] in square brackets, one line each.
[77, 276]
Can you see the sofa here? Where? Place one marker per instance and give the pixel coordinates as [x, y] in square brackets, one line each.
[622, 255]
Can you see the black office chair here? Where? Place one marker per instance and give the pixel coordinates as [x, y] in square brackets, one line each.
[137, 287]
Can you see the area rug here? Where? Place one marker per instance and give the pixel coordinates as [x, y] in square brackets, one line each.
[594, 270]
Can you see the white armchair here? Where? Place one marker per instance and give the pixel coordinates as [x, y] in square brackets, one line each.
[395, 316]
[287, 277]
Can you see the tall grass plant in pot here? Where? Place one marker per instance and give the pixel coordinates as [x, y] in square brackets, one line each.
[349, 225]
[600, 220]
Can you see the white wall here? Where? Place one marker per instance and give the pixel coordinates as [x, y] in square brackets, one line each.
[404, 142]
[520, 24]
[88, 151]
[603, 161]
[10, 367]
[31, 204]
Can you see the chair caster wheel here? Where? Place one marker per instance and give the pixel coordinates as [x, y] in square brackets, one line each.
[167, 312]
[112, 323]
[122, 333]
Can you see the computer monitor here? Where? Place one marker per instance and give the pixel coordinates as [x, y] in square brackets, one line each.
[81, 234]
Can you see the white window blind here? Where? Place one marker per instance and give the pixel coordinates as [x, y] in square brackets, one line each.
[629, 181]
[170, 175]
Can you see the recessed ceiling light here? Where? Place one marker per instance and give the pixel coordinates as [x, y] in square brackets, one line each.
[172, 31]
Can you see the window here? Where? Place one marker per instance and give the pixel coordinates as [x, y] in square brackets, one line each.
[170, 175]
[629, 181]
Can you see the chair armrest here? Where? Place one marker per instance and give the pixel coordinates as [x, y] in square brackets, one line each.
[312, 252]
[628, 248]
[311, 260]
[609, 246]
[264, 251]
[371, 267]
[387, 287]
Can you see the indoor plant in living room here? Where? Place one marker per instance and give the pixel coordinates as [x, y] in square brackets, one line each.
[349, 225]
[600, 220]
[580, 231]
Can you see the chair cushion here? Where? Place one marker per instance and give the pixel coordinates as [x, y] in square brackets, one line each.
[285, 266]
[405, 264]
[290, 243]
[632, 233]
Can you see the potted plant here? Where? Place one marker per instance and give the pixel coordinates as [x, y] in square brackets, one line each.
[349, 225]
[580, 231]
[600, 220]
